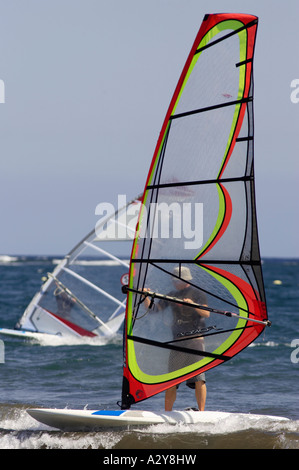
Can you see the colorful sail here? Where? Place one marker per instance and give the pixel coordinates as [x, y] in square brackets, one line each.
[197, 225]
[77, 299]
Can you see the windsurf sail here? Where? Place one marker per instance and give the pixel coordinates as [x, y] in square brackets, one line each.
[77, 299]
[195, 296]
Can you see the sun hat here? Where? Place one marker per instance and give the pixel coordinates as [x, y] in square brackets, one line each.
[182, 272]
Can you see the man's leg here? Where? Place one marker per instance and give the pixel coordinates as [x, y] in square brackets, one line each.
[170, 396]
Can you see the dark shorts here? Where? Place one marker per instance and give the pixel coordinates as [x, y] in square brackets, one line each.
[198, 378]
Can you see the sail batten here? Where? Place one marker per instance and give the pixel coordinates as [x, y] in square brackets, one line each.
[212, 43]
[196, 261]
[172, 347]
[211, 108]
[106, 253]
[195, 295]
[190, 183]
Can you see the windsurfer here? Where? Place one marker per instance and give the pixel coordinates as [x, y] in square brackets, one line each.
[64, 302]
[185, 320]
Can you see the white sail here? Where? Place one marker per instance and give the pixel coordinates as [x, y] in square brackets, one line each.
[77, 299]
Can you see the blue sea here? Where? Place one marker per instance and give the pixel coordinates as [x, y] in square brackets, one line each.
[262, 379]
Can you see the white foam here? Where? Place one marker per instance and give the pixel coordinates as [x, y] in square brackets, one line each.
[230, 424]
[7, 259]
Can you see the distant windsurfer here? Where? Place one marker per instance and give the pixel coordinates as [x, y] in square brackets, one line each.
[185, 321]
[64, 302]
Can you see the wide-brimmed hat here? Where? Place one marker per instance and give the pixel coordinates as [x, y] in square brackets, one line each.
[182, 272]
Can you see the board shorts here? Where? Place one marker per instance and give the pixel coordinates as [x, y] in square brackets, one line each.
[191, 382]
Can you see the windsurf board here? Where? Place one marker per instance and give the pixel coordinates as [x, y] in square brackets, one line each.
[92, 420]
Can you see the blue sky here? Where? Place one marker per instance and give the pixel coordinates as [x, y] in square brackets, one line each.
[87, 86]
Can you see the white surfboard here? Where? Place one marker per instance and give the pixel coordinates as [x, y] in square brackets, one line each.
[91, 420]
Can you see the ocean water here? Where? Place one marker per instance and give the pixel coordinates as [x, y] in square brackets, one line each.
[262, 379]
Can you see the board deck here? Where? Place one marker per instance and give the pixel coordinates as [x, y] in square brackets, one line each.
[24, 333]
[92, 420]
